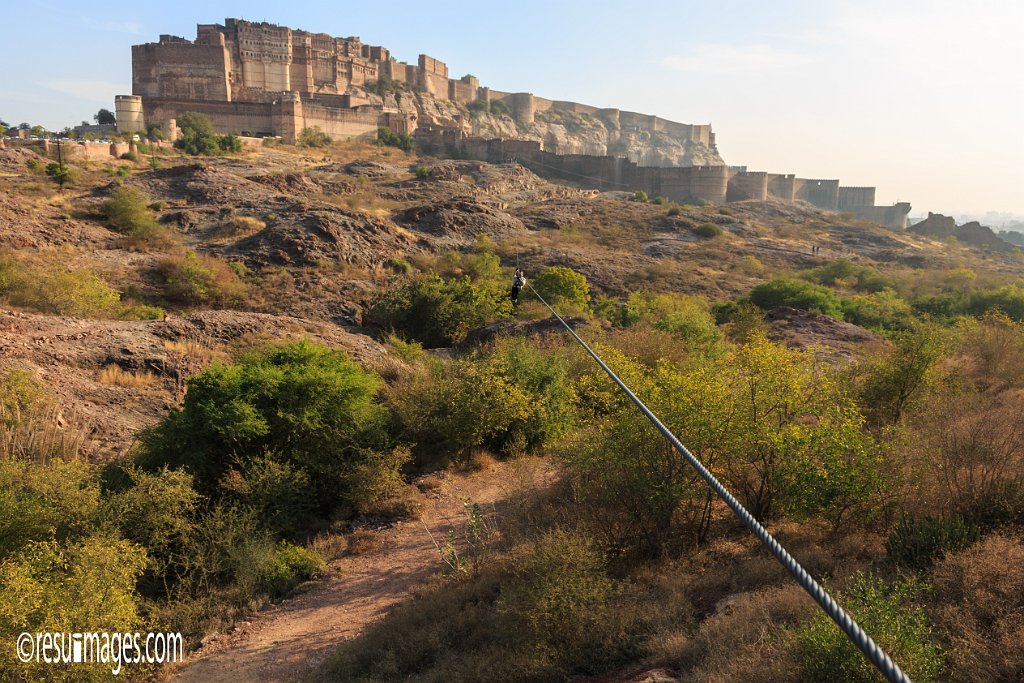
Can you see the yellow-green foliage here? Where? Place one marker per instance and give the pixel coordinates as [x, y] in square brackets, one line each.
[50, 288]
[770, 421]
[195, 279]
[83, 586]
[512, 400]
[883, 610]
[561, 286]
[684, 316]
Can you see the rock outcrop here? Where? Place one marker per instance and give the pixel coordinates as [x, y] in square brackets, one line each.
[942, 227]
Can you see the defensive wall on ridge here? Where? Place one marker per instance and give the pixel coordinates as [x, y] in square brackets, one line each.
[718, 184]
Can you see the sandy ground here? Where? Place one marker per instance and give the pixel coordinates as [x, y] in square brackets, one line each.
[290, 640]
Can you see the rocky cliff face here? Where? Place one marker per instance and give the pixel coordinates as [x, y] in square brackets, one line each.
[560, 132]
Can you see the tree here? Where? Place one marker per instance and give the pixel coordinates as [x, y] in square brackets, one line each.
[199, 138]
[61, 173]
[3, 129]
[38, 131]
[294, 417]
[104, 117]
[561, 285]
[314, 137]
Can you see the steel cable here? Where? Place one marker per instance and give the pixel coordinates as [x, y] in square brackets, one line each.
[875, 654]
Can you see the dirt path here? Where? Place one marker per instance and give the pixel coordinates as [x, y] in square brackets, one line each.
[288, 641]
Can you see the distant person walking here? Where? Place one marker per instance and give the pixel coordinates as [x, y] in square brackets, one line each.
[518, 282]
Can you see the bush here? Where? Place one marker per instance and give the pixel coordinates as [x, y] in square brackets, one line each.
[423, 172]
[127, 212]
[156, 511]
[197, 136]
[780, 432]
[917, 542]
[389, 138]
[438, 312]
[842, 271]
[314, 137]
[1008, 299]
[796, 294]
[980, 603]
[560, 591]
[884, 310]
[512, 400]
[561, 286]
[881, 609]
[194, 279]
[61, 173]
[674, 211]
[305, 408]
[898, 381]
[707, 230]
[291, 563]
[684, 316]
[85, 586]
[640, 196]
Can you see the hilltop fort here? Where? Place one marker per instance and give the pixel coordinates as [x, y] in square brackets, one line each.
[262, 79]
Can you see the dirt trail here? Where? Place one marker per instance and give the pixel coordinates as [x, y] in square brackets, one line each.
[288, 641]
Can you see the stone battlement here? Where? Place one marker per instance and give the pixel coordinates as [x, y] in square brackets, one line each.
[265, 79]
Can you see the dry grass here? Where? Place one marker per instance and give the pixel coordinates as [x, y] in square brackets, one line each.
[41, 434]
[481, 460]
[980, 596]
[114, 375]
[329, 546]
[361, 542]
[241, 226]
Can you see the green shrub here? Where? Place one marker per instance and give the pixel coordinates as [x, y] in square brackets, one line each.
[640, 196]
[842, 271]
[883, 310]
[707, 230]
[389, 138]
[314, 137]
[127, 212]
[423, 172]
[61, 173]
[881, 609]
[291, 564]
[157, 511]
[45, 502]
[438, 312]
[499, 108]
[1008, 299]
[80, 293]
[917, 542]
[674, 211]
[307, 409]
[682, 315]
[514, 399]
[898, 381]
[797, 294]
[377, 479]
[562, 286]
[197, 136]
[196, 279]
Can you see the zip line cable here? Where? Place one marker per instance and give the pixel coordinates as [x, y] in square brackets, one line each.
[875, 654]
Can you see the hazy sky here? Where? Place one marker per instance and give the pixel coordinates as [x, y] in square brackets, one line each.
[924, 100]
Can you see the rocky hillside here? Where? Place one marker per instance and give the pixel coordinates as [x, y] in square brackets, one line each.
[561, 132]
